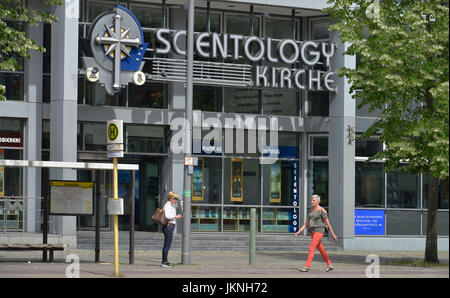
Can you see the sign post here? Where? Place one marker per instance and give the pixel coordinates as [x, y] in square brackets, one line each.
[114, 132]
[186, 240]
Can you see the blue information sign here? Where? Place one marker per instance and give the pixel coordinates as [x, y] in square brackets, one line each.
[369, 222]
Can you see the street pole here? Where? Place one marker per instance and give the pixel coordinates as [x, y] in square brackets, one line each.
[186, 240]
[252, 252]
[116, 220]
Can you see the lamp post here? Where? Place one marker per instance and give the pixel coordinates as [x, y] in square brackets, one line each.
[186, 240]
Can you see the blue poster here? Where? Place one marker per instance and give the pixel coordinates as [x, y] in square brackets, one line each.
[369, 222]
[293, 216]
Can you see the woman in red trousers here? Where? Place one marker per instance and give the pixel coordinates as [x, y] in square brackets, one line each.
[316, 223]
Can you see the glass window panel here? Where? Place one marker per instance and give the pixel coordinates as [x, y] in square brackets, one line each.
[201, 20]
[94, 136]
[206, 218]
[148, 96]
[279, 29]
[318, 146]
[12, 177]
[10, 125]
[237, 219]
[48, 47]
[14, 85]
[276, 220]
[238, 100]
[318, 180]
[207, 181]
[364, 110]
[442, 225]
[46, 88]
[96, 95]
[280, 103]
[145, 138]
[249, 186]
[45, 134]
[207, 99]
[79, 137]
[369, 184]
[442, 193]
[319, 103]
[277, 183]
[402, 223]
[368, 147]
[402, 190]
[236, 24]
[319, 29]
[149, 17]
[95, 9]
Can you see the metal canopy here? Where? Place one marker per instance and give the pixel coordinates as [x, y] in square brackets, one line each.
[65, 165]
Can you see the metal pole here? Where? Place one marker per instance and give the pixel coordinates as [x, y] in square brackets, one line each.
[208, 16]
[45, 228]
[97, 216]
[252, 251]
[293, 27]
[131, 253]
[116, 221]
[251, 20]
[186, 240]
[164, 13]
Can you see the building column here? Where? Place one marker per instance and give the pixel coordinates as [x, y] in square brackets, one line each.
[341, 149]
[33, 128]
[63, 106]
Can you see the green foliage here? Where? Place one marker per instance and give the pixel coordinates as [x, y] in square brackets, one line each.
[404, 70]
[14, 44]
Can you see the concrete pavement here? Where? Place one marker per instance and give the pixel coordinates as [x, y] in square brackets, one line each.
[217, 264]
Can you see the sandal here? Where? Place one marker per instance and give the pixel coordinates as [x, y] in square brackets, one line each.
[304, 269]
[329, 268]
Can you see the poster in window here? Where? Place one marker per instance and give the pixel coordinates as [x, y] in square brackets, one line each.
[2, 174]
[237, 193]
[198, 182]
[275, 183]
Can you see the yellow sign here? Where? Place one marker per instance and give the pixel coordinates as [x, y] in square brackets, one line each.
[113, 131]
[72, 183]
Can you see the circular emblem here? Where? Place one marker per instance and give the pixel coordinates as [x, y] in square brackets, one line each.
[113, 131]
[139, 78]
[92, 74]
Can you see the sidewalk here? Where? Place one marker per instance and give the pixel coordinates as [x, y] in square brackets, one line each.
[217, 264]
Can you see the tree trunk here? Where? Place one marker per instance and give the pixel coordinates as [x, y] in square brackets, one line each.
[431, 250]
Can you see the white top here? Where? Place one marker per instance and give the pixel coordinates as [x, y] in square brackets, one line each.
[170, 213]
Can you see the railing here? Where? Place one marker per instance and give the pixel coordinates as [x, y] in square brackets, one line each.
[15, 213]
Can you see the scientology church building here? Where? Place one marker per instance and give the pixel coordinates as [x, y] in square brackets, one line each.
[253, 63]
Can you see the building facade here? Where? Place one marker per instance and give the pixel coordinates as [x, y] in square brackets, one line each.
[59, 115]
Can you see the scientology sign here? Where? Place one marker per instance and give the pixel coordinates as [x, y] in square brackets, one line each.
[117, 49]
[256, 49]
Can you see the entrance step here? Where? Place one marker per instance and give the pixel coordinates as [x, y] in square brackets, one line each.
[202, 241]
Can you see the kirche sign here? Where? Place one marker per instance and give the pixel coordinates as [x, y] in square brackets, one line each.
[256, 49]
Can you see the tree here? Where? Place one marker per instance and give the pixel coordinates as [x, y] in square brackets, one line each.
[403, 48]
[14, 44]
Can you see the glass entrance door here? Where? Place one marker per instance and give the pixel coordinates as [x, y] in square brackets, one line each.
[149, 193]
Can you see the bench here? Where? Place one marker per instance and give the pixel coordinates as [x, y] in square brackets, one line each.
[44, 247]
